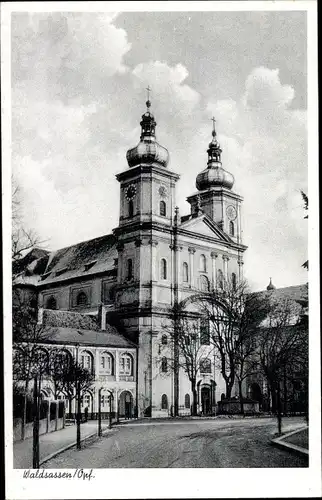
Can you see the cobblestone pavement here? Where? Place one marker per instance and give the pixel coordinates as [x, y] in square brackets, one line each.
[186, 443]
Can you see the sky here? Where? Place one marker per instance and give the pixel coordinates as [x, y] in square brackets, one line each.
[78, 93]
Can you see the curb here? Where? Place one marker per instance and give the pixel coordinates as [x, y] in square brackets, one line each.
[71, 445]
[293, 448]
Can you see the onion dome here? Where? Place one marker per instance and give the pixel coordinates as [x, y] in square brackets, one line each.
[271, 286]
[148, 150]
[214, 175]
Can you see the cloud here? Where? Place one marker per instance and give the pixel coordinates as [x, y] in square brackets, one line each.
[76, 110]
[264, 146]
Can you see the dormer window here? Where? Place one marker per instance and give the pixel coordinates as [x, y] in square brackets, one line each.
[45, 275]
[89, 265]
[60, 271]
[51, 303]
[81, 299]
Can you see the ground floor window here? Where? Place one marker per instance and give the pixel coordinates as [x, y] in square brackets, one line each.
[164, 402]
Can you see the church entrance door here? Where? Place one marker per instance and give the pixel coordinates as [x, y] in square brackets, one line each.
[205, 400]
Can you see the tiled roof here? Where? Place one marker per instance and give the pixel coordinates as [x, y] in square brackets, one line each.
[76, 328]
[72, 336]
[69, 319]
[83, 259]
[296, 292]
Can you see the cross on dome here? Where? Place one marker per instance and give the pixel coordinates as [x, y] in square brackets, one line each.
[148, 102]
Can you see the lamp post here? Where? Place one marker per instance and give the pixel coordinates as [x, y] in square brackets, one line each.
[99, 411]
[35, 447]
[110, 414]
[78, 404]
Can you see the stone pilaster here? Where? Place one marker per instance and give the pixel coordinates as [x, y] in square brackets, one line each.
[191, 251]
[213, 269]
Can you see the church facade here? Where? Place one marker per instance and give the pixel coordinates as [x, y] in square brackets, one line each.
[128, 281]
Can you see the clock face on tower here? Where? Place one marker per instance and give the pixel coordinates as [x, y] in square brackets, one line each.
[162, 191]
[231, 212]
[130, 192]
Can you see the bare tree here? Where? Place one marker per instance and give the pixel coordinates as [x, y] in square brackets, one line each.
[22, 239]
[189, 338]
[282, 348]
[29, 358]
[74, 381]
[233, 314]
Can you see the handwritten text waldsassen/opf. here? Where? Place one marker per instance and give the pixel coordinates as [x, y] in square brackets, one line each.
[43, 474]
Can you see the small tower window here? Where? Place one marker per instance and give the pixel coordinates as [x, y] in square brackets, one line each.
[231, 228]
[233, 281]
[164, 402]
[129, 269]
[187, 401]
[185, 272]
[205, 366]
[51, 303]
[81, 299]
[204, 332]
[204, 283]
[164, 340]
[220, 279]
[203, 263]
[164, 365]
[131, 208]
[163, 208]
[163, 269]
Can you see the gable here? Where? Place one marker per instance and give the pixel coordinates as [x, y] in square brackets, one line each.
[205, 226]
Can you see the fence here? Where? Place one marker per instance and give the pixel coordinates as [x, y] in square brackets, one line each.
[51, 418]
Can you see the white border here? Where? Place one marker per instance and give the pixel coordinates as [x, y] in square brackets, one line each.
[172, 483]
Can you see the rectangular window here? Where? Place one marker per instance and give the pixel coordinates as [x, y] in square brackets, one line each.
[204, 332]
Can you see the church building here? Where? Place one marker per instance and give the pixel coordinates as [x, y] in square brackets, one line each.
[108, 299]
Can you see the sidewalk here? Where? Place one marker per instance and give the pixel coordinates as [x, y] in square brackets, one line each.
[295, 441]
[51, 443]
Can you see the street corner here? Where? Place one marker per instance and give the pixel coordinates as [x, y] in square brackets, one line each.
[296, 441]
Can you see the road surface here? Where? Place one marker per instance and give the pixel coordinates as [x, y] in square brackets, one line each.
[186, 443]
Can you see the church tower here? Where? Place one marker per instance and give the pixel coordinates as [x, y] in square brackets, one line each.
[145, 255]
[215, 196]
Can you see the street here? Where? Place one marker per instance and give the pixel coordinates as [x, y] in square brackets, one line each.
[185, 443]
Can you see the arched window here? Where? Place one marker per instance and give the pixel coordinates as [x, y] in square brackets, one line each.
[204, 283]
[164, 365]
[131, 208]
[87, 361]
[164, 402]
[187, 401]
[231, 228]
[185, 270]
[81, 299]
[163, 208]
[164, 340]
[203, 263]
[204, 332]
[60, 358]
[233, 281]
[223, 396]
[126, 365]
[107, 363]
[51, 303]
[220, 279]
[41, 361]
[163, 269]
[205, 366]
[86, 401]
[129, 269]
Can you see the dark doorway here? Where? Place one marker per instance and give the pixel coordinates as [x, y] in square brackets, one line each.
[255, 393]
[205, 400]
[126, 405]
